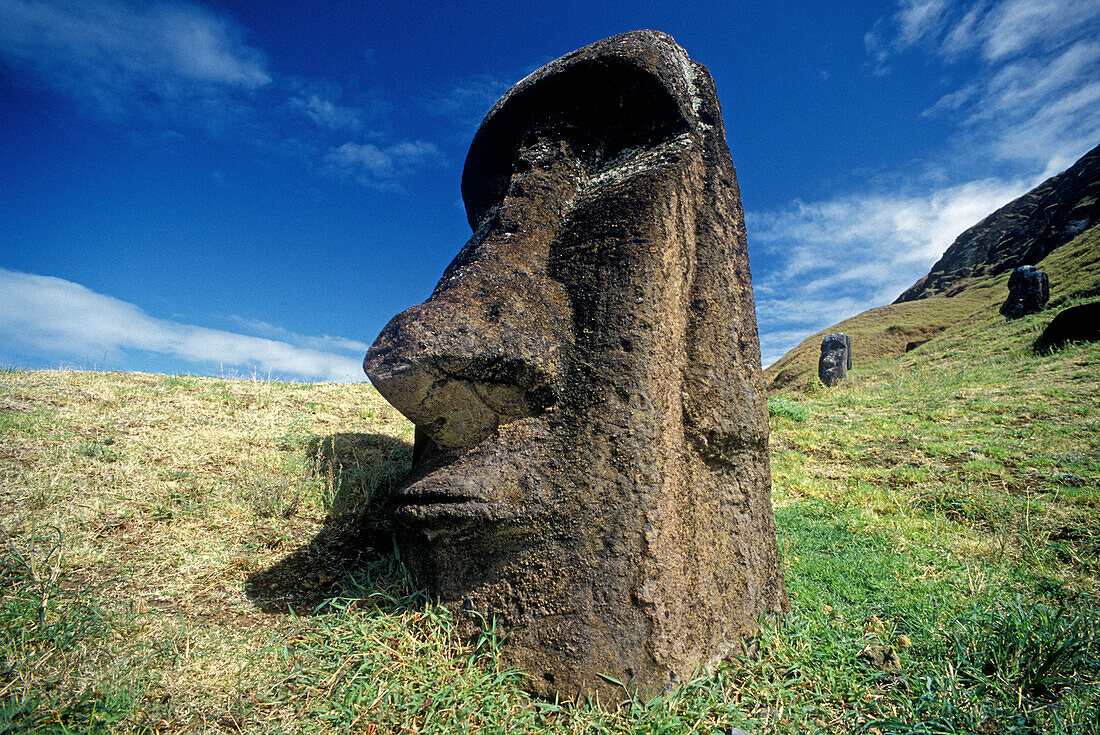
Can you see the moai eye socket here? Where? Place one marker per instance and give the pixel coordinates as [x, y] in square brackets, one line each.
[600, 109]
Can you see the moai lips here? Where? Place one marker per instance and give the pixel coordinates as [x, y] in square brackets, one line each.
[591, 462]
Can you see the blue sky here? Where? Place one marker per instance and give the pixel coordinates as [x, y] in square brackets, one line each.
[255, 188]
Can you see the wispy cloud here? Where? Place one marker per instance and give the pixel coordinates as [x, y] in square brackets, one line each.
[1026, 102]
[326, 113]
[1001, 30]
[918, 19]
[465, 103]
[835, 258]
[323, 343]
[1033, 96]
[55, 318]
[380, 168]
[913, 22]
[161, 61]
[319, 101]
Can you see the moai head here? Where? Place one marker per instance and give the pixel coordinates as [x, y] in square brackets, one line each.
[835, 360]
[591, 461]
[1028, 292]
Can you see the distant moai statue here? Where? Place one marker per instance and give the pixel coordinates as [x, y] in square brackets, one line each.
[836, 359]
[1028, 292]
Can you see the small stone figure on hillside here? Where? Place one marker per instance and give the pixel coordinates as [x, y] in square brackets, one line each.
[591, 463]
[1028, 291]
[836, 359]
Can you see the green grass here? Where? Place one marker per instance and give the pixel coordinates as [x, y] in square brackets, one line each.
[783, 408]
[952, 494]
[69, 662]
[186, 555]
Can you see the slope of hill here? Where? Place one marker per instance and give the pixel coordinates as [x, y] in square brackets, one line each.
[180, 554]
[974, 271]
[885, 331]
[1022, 232]
[185, 554]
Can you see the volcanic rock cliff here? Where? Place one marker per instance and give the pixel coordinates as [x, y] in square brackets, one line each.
[1022, 232]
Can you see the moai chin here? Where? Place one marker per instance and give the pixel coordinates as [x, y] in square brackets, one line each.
[591, 465]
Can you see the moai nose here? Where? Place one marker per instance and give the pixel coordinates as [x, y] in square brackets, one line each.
[485, 349]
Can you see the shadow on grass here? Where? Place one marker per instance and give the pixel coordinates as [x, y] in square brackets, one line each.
[353, 554]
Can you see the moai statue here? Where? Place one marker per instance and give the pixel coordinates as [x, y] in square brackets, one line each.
[591, 462]
[1028, 292]
[835, 360]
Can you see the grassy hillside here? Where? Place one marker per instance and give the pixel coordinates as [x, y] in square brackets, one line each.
[180, 555]
[883, 333]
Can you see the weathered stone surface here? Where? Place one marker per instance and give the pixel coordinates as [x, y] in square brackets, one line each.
[835, 360]
[1028, 292]
[1075, 324]
[883, 658]
[591, 457]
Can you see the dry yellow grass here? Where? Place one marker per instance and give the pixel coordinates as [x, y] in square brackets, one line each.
[217, 505]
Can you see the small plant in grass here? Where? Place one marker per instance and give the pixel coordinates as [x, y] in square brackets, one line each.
[355, 472]
[68, 665]
[101, 451]
[274, 499]
[1017, 667]
[781, 407]
[178, 381]
[297, 435]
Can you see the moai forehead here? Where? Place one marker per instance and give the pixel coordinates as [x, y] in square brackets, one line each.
[591, 466]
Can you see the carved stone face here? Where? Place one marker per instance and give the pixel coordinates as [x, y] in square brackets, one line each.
[1028, 292]
[835, 360]
[591, 463]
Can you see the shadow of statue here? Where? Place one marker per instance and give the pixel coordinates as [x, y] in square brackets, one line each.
[353, 553]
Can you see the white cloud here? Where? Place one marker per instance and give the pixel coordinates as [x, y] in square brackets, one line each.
[919, 19]
[324, 343]
[1023, 26]
[836, 258]
[172, 61]
[963, 35]
[57, 318]
[377, 167]
[913, 22]
[326, 113]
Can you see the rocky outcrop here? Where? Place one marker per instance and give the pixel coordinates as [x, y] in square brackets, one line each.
[1076, 324]
[1023, 231]
[835, 360]
[1028, 292]
[882, 658]
[590, 467]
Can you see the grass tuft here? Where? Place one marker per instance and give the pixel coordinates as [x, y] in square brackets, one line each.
[780, 407]
[68, 663]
